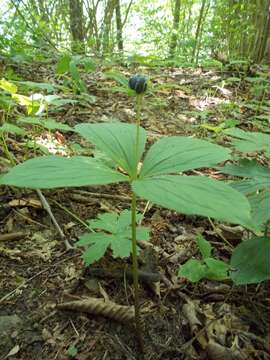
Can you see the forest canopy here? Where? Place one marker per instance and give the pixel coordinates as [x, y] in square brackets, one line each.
[184, 31]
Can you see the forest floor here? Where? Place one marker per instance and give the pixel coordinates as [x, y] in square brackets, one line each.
[207, 320]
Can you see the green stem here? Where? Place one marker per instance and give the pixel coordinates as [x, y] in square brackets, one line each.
[135, 272]
[138, 122]
[134, 235]
[7, 152]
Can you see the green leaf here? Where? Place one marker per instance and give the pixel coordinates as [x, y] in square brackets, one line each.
[204, 246]
[259, 176]
[6, 102]
[8, 86]
[215, 129]
[86, 99]
[193, 270]
[47, 123]
[117, 236]
[89, 64]
[118, 77]
[40, 86]
[194, 195]
[107, 222]
[246, 168]
[116, 140]
[142, 233]
[249, 141]
[49, 172]
[12, 129]
[251, 185]
[260, 206]
[63, 64]
[98, 244]
[176, 153]
[57, 101]
[72, 351]
[250, 261]
[76, 76]
[216, 269]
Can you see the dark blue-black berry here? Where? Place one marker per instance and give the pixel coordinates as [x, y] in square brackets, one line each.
[138, 83]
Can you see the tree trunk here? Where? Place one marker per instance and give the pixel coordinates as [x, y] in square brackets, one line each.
[263, 30]
[176, 18]
[266, 58]
[200, 34]
[198, 29]
[119, 27]
[43, 11]
[107, 22]
[76, 25]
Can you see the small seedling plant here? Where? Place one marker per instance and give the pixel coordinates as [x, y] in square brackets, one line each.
[207, 268]
[160, 179]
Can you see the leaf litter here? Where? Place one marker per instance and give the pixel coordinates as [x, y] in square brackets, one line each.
[210, 320]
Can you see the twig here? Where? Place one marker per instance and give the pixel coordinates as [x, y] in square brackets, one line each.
[87, 226]
[218, 232]
[47, 207]
[12, 236]
[102, 195]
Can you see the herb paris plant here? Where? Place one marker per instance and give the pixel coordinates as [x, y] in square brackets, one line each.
[157, 181]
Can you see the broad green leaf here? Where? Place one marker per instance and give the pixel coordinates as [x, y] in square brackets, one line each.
[46, 123]
[251, 185]
[118, 77]
[250, 261]
[40, 86]
[204, 246]
[63, 64]
[58, 101]
[194, 195]
[216, 269]
[74, 72]
[193, 270]
[249, 141]
[49, 172]
[86, 99]
[246, 168]
[209, 268]
[12, 129]
[176, 153]
[89, 64]
[76, 76]
[8, 86]
[260, 207]
[116, 140]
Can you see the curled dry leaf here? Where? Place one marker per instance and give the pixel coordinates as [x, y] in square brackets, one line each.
[95, 306]
[216, 351]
